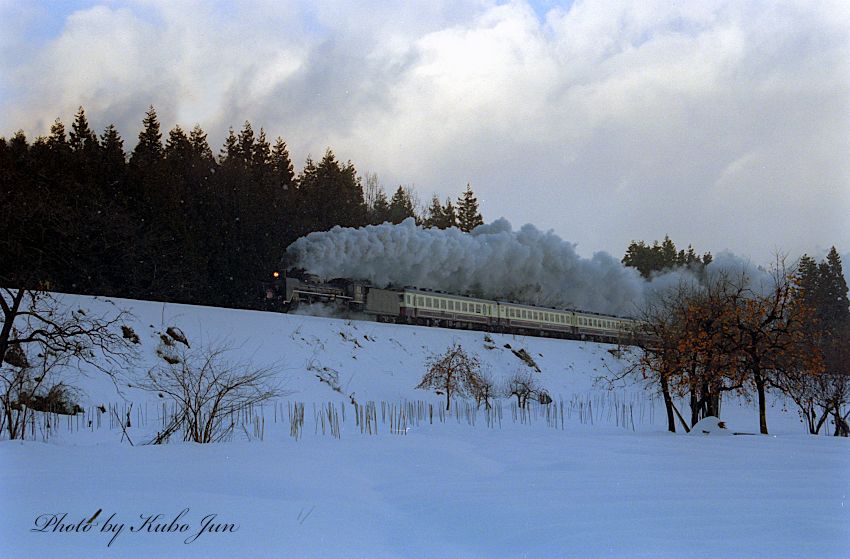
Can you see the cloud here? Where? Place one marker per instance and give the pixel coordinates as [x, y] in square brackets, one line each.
[724, 124]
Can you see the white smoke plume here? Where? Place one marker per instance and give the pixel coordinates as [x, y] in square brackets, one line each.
[493, 262]
[496, 262]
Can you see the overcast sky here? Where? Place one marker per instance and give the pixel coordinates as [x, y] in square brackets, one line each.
[722, 124]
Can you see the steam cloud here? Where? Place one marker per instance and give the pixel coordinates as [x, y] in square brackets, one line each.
[493, 262]
[496, 262]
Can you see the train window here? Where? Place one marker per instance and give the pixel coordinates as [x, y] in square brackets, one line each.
[478, 309]
[443, 304]
[464, 307]
[427, 301]
[419, 301]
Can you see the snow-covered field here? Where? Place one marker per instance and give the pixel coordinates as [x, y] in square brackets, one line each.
[599, 476]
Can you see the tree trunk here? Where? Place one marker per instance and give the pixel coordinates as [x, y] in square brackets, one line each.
[713, 399]
[668, 404]
[841, 427]
[762, 397]
[681, 419]
[9, 315]
[696, 404]
[821, 421]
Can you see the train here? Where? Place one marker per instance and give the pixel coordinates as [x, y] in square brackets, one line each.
[425, 307]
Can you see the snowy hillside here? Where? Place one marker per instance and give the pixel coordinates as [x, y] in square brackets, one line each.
[320, 359]
[598, 476]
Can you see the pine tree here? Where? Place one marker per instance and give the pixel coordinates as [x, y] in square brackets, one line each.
[668, 253]
[434, 214]
[832, 292]
[229, 153]
[330, 194]
[468, 217]
[401, 206]
[649, 259]
[380, 208]
[112, 150]
[449, 215]
[245, 144]
[201, 148]
[82, 139]
[178, 149]
[148, 150]
[284, 172]
[261, 154]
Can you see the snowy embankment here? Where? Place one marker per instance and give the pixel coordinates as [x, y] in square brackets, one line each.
[597, 477]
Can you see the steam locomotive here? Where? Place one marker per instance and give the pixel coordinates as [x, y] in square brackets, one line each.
[412, 305]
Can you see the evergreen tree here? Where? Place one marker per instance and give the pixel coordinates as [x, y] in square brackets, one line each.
[401, 206]
[832, 292]
[178, 148]
[113, 157]
[668, 253]
[449, 215]
[261, 154]
[201, 150]
[245, 144]
[330, 194]
[468, 217]
[434, 214]
[284, 172]
[380, 208]
[230, 150]
[649, 259]
[148, 150]
[82, 139]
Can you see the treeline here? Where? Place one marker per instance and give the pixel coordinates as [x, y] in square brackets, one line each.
[172, 221]
[659, 257]
[729, 333]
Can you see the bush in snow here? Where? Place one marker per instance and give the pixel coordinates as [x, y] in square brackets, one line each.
[208, 390]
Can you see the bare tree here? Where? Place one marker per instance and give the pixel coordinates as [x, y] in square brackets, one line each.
[523, 386]
[208, 390]
[482, 388]
[41, 337]
[451, 373]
